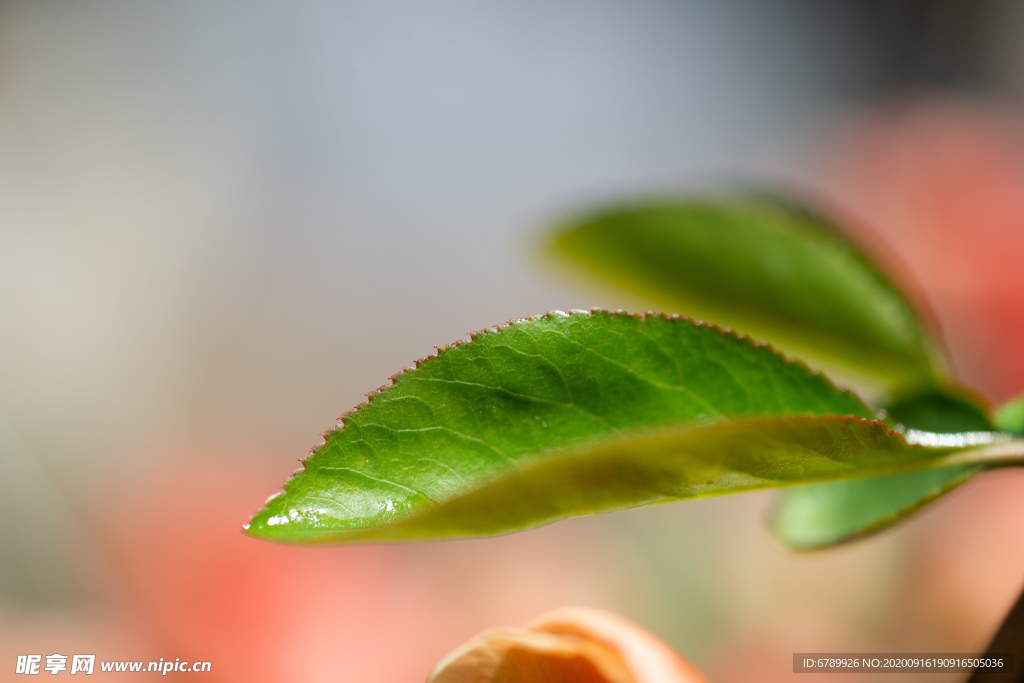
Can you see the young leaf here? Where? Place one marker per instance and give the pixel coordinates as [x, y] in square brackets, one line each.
[820, 515]
[1010, 416]
[573, 414]
[763, 267]
[479, 410]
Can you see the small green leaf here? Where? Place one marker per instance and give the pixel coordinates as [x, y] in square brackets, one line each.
[763, 267]
[1010, 416]
[817, 516]
[578, 413]
[945, 411]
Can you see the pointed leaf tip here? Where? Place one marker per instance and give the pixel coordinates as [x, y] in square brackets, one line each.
[494, 405]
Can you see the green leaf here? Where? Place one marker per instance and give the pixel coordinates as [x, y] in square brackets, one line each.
[573, 414]
[764, 267]
[821, 515]
[944, 411]
[480, 410]
[1010, 416]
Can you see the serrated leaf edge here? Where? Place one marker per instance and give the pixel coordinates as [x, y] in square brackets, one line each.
[472, 336]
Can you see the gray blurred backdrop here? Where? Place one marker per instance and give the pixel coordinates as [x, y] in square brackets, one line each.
[228, 220]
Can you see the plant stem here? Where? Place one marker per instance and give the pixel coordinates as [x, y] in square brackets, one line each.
[1009, 639]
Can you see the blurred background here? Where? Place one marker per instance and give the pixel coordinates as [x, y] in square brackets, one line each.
[223, 222]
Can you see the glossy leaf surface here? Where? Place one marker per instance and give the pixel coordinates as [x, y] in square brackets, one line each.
[482, 410]
[817, 516]
[572, 414]
[763, 267]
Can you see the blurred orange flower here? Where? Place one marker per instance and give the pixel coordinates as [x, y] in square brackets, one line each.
[572, 644]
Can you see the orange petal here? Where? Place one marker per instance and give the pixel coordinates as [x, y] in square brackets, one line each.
[572, 644]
